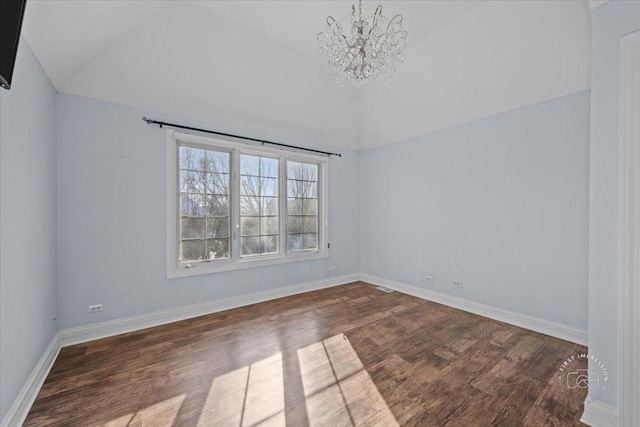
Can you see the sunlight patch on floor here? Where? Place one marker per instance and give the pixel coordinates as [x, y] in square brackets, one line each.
[338, 389]
[161, 414]
[248, 396]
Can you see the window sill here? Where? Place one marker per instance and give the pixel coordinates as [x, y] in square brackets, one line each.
[232, 265]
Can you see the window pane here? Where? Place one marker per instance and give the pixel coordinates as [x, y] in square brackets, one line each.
[192, 158]
[302, 171]
[302, 206]
[250, 185]
[294, 242]
[218, 206]
[310, 206]
[302, 189]
[192, 181]
[268, 225]
[294, 224]
[269, 244]
[249, 165]
[250, 226]
[294, 206]
[268, 167]
[192, 204]
[217, 183]
[310, 224]
[250, 245]
[269, 206]
[193, 250]
[192, 228]
[269, 187]
[294, 170]
[310, 172]
[218, 227]
[218, 248]
[249, 206]
[217, 162]
[310, 241]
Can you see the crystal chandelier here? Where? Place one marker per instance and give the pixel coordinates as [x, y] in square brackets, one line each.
[358, 49]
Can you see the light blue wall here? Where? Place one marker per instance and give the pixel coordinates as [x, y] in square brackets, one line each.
[112, 222]
[28, 247]
[609, 23]
[500, 204]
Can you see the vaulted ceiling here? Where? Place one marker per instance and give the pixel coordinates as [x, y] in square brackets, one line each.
[252, 65]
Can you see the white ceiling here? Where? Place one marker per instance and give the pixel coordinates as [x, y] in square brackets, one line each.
[252, 65]
[501, 56]
[296, 23]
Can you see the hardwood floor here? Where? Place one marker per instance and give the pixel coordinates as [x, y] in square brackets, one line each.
[348, 355]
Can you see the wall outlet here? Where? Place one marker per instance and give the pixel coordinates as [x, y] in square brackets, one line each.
[94, 308]
[457, 284]
[333, 268]
[428, 278]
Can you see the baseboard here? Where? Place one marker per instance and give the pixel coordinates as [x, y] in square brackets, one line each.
[22, 404]
[128, 324]
[558, 330]
[599, 414]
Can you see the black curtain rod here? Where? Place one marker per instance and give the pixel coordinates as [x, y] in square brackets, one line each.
[261, 141]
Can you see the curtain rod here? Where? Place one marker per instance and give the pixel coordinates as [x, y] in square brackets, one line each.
[262, 141]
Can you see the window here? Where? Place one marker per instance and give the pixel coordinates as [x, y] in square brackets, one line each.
[204, 204]
[235, 205]
[259, 220]
[302, 206]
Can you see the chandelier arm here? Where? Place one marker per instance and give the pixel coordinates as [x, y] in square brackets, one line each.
[357, 49]
[393, 19]
[377, 43]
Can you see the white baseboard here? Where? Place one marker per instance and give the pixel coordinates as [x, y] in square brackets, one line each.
[558, 330]
[128, 324]
[22, 404]
[599, 414]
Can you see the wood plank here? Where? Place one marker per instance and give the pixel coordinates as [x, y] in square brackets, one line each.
[348, 355]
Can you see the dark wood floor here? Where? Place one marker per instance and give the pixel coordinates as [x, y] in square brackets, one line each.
[349, 355]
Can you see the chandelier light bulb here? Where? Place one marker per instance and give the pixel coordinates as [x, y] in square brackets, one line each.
[358, 49]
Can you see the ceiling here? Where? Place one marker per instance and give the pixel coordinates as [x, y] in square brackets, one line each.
[67, 34]
[296, 23]
[252, 65]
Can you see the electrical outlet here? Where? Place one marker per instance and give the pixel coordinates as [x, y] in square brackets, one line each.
[428, 278]
[457, 284]
[333, 268]
[94, 308]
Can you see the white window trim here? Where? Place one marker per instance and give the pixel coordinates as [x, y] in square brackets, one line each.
[236, 262]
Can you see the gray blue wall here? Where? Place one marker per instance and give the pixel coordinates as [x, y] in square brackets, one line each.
[113, 209]
[609, 23]
[500, 204]
[28, 217]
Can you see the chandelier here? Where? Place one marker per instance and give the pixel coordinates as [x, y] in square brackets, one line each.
[358, 49]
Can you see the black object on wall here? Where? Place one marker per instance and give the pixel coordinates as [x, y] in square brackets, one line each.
[246, 138]
[11, 14]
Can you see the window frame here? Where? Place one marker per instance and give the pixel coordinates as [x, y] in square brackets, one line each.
[236, 261]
